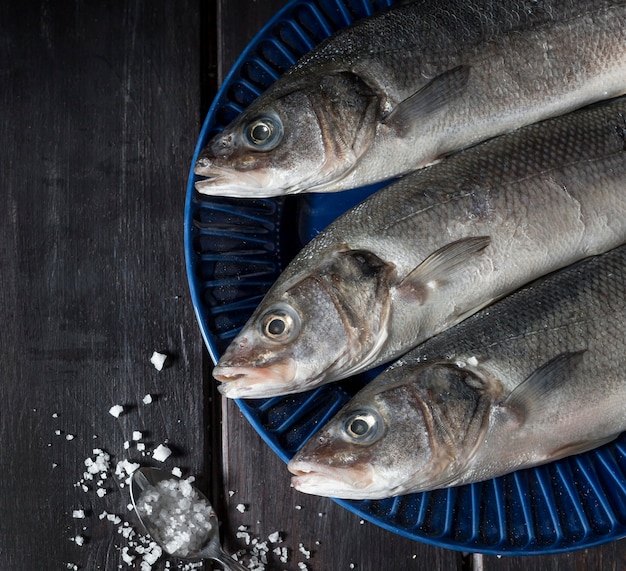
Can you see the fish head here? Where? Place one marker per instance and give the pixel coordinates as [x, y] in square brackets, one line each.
[294, 138]
[396, 436]
[310, 329]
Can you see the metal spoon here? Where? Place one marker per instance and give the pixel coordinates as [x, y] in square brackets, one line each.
[145, 478]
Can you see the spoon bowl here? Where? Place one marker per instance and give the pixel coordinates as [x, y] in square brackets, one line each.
[155, 480]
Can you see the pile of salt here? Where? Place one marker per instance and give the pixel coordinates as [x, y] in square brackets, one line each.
[181, 517]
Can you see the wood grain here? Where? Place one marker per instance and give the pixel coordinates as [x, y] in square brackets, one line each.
[100, 115]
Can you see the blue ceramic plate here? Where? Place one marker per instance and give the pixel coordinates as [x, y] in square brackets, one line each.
[236, 249]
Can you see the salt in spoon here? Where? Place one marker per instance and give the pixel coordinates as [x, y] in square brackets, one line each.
[147, 479]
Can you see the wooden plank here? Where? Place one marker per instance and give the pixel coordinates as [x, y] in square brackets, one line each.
[100, 115]
[609, 557]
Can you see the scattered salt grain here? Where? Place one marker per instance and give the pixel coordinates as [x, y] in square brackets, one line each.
[282, 553]
[125, 468]
[181, 517]
[352, 566]
[101, 492]
[78, 514]
[231, 493]
[127, 557]
[298, 507]
[177, 472]
[116, 410]
[241, 508]
[126, 445]
[147, 399]
[161, 453]
[137, 435]
[302, 566]
[69, 437]
[57, 432]
[472, 361]
[79, 540]
[275, 537]
[305, 552]
[158, 360]
[243, 534]
[141, 446]
[55, 415]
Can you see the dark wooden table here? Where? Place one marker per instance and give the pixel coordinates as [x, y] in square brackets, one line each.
[101, 106]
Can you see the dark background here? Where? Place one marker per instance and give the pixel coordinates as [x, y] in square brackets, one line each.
[101, 105]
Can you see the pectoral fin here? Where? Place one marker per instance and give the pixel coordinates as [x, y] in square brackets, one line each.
[538, 398]
[438, 268]
[437, 94]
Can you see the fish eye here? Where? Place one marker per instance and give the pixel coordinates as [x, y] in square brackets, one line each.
[280, 324]
[264, 133]
[363, 426]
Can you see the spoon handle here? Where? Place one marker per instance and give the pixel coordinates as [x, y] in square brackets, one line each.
[227, 562]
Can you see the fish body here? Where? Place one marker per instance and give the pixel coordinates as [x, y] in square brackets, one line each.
[436, 246]
[401, 89]
[536, 377]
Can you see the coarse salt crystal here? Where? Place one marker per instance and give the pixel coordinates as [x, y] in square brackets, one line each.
[78, 514]
[176, 471]
[241, 508]
[158, 360]
[137, 435]
[472, 361]
[147, 399]
[243, 535]
[305, 552]
[125, 468]
[101, 492]
[275, 537]
[161, 453]
[79, 540]
[127, 557]
[116, 410]
[69, 437]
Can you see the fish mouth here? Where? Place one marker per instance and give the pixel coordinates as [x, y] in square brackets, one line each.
[343, 483]
[218, 181]
[256, 382]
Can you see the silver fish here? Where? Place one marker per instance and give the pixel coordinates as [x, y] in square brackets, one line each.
[538, 376]
[401, 89]
[438, 245]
